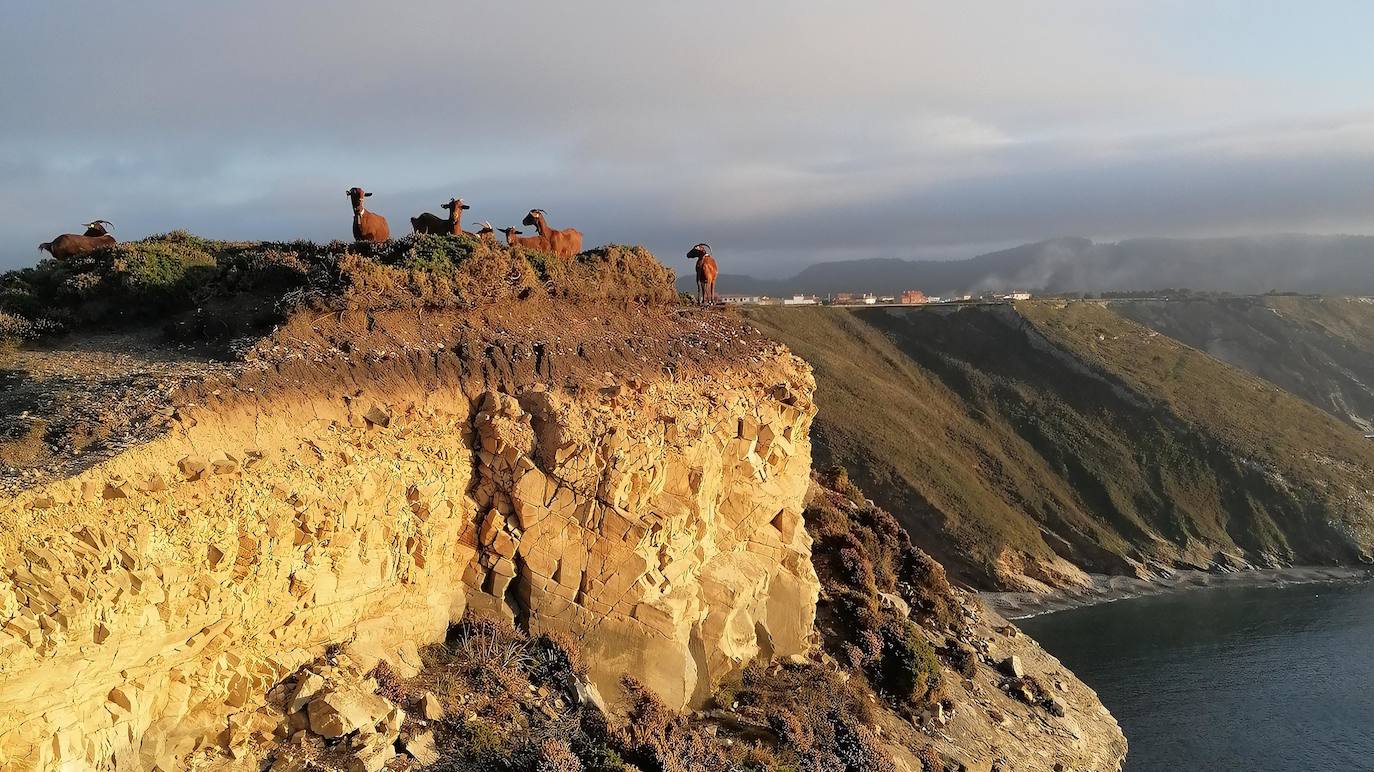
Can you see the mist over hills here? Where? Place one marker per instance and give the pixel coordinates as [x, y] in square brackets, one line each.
[1293, 263]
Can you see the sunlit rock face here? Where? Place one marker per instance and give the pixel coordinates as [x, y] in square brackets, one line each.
[651, 513]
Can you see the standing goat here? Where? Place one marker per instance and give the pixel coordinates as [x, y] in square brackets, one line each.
[367, 226]
[434, 224]
[70, 245]
[563, 243]
[514, 239]
[706, 273]
[486, 232]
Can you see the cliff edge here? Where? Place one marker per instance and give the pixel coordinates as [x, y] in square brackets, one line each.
[340, 454]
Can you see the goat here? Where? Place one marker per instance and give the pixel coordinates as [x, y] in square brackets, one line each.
[431, 223]
[563, 243]
[486, 232]
[706, 273]
[514, 239]
[70, 245]
[367, 226]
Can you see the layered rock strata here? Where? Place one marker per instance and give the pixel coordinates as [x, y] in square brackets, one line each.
[323, 498]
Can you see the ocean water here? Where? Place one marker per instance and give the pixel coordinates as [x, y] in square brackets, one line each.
[1246, 679]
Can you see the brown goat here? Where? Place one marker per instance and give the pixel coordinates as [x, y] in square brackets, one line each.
[367, 226]
[706, 273]
[563, 243]
[514, 239]
[432, 223]
[70, 245]
[486, 232]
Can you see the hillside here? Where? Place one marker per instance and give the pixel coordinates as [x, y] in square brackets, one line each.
[1022, 445]
[440, 502]
[1321, 349]
[1297, 263]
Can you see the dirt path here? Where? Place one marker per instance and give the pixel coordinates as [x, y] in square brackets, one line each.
[66, 404]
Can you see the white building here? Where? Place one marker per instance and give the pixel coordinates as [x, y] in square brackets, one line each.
[801, 300]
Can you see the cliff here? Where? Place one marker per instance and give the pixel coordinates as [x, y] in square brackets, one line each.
[630, 478]
[264, 520]
[1025, 446]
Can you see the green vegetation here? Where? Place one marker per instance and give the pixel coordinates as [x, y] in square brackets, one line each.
[1012, 440]
[203, 289]
[868, 568]
[1320, 349]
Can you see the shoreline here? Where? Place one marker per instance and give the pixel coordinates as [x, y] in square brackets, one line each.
[1108, 589]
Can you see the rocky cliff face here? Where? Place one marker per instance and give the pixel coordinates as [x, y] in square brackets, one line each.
[365, 501]
[200, 560]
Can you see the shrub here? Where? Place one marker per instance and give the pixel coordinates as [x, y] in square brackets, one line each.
[220, 289]
[908, 667]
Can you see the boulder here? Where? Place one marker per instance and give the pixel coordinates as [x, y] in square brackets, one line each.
[430, 707]
[588, 694]
[421, 748]
[344, 711]
[306, 688]
[894, 602]
[375, 752]
[1012, 666]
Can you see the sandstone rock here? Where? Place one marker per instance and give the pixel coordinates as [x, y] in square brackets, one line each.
[421, 748]
[1012, 666]
[307, 686]
[650, 546]
[372, 756]
[192, 467]
[587, 694]
[1056, 706]
[894, 602]
[377, 416]
[430, 707]
[341, 712]
[223, 463]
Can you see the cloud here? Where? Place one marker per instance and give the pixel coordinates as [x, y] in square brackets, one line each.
[783, 133]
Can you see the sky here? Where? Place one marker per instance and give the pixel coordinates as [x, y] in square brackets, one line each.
[782, 132]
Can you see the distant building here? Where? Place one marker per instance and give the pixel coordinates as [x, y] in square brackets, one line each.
[914, 297]
[744, 300]
[869, 300]
[801, 300]
[1019, 295]
[844, 298]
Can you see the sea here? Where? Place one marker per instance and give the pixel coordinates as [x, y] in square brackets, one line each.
[1251, 679]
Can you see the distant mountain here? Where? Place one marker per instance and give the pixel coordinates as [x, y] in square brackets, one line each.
[1297, 263]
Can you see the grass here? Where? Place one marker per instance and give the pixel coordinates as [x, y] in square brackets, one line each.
[1004, 439]
[1320, 349]
[201, 288]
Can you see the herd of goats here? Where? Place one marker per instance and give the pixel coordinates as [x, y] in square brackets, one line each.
[370, 226]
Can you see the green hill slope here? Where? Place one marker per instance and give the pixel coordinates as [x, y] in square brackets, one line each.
[1018, 444]
[1321, 349]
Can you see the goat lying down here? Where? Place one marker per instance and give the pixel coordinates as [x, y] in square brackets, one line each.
[70, 245]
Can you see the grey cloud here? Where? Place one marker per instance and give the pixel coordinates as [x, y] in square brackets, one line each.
[782, 132]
